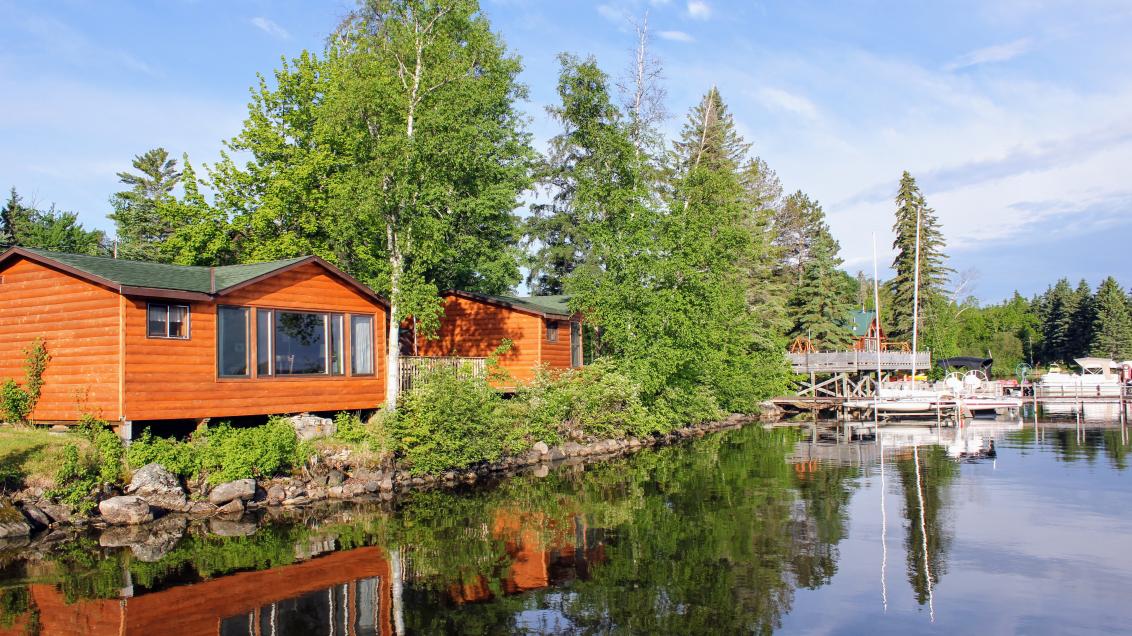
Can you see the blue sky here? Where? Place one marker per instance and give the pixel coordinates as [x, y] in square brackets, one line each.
[1015, 115]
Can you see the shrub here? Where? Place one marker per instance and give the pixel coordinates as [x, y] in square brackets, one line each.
[79, 477]
[17, 403]
[227, 453]
[597, 401]
[446, 421]
[349, 427]
[179, 458]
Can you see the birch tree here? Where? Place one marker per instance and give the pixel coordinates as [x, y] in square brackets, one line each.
[420, 104]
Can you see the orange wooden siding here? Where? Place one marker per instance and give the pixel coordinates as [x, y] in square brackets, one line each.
[175, 379]
[474, 329]
[79, 324]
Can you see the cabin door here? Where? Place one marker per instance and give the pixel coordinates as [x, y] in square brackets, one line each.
[575, 344]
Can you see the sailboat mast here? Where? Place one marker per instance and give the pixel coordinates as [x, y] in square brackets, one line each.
[916, 296]
[876, 306]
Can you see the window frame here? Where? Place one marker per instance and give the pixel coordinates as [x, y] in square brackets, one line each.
[168, 309]
[247, 375]
[350, 345]
[552, 323]
[331, 316]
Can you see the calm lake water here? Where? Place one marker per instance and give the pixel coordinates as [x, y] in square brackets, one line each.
[1002, 527]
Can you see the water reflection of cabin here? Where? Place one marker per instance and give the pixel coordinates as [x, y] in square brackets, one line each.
[345, 593]
[132, 341]
[541, 329]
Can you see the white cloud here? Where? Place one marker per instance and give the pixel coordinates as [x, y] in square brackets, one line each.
[675, 36]
[997, 53]
[699, 10]
[270, 27]
[69, 45]
[612, 13]
[782, 100]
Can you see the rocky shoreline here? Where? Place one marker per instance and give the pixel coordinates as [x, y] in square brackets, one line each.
[156, 506]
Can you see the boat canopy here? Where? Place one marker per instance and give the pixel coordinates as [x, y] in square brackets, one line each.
[1093, 365]
[966, 362]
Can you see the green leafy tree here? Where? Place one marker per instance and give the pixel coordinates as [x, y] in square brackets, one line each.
[934, 273]
[201, 233]
[420, 111]
[1112, 337]
[51, 229]
[140, 226]
[798, 224]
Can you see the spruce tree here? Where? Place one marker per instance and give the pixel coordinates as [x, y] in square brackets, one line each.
[820, 305]
[798, 223]
[934, 272]
[140, 227]
[1112, 337]
[1058, 306]
[587, 173]
[1080, 333]
[12, 215]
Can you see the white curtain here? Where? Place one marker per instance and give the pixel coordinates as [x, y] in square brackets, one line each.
[361, 339]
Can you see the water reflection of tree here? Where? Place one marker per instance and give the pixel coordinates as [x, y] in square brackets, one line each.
[936, 473]
[825, 494]
[1072, 444]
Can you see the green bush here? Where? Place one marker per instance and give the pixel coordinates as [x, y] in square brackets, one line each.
[446, 421]
[349, 427]
[79, 477]
[596, 400]
[229, 453]
[16, 402]
[224, 452]
[179, 458]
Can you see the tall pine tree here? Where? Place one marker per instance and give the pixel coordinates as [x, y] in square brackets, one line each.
[822, 300]
[1080, 334]
[1058, 305]
[587, 174]
[1112, 337]
[140, 226]
[934, 272]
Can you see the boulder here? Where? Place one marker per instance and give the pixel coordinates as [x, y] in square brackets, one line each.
[202, 509]
[241, 489]
[556, 454]
[228, 528]
[335, 478]
[541, 448]
[386, 484]
[159, 487]
[58, 512]
[308, 427]
[234, 508]
[13, 524]
[572, 449]
[125, 510]
[36, 516]
[149, 542]
[276, 494]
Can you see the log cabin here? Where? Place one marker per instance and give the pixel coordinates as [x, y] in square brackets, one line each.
[141, 342]
[542, 331]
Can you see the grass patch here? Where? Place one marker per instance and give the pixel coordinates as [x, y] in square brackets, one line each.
[32, 455]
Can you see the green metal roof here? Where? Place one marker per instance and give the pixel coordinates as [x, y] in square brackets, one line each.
[542, 305]
[859, 321]
[187, 278]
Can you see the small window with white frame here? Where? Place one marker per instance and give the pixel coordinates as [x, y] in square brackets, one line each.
[167, 321]
[552, 331]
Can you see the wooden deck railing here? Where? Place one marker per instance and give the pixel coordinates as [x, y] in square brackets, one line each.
[414, 367]
[848, 361]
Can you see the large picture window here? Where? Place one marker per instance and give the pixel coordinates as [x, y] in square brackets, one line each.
[361, 345]
[292, 343]
[167, 321]
[232, 342]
